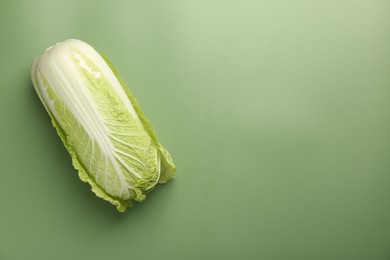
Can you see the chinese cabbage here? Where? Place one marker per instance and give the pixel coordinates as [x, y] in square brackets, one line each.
[112, 144]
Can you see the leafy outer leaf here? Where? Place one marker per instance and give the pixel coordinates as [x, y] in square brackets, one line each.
[112, 144]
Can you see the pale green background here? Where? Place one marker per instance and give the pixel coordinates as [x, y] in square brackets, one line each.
[276, 113]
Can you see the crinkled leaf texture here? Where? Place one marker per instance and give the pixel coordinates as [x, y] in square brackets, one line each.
[112, 144]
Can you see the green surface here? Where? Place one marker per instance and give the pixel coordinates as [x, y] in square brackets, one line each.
[275, 112]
